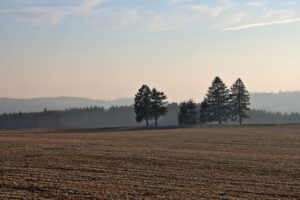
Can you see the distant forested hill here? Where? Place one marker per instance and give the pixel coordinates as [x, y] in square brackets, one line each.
[284, 102]
[8, 105]
[273, 102]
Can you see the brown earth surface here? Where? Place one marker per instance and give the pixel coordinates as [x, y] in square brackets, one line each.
[254, 162]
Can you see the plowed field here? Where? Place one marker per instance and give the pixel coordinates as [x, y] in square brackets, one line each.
[252, 162]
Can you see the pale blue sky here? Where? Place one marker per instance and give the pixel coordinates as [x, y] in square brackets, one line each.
[106, 49]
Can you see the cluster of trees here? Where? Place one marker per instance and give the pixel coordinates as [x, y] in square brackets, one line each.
[149, 104]
[220, 105]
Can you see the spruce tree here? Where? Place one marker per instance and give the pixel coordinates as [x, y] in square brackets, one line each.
[182, 116]
[217, 99]
[240, 100]
[204, 113]
[142, 104]
[188, 113]
[159, 105]
[192, 112]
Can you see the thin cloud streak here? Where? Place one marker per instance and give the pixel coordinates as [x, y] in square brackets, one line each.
[36, 14]
[87, 5]
[42, 15]
[257, 25]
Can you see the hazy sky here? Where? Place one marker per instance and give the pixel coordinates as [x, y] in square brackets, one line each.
[106, 49]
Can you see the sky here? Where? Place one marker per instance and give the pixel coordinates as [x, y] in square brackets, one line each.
[106, 49]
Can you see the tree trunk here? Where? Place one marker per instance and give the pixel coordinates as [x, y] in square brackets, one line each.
[147, 123]
[240, 118]
[220, 120]
[156, 121]
[219, 112]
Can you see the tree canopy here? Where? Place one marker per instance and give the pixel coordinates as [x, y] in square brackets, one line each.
[188, 113]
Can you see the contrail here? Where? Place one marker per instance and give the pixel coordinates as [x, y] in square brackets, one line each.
[249, 26]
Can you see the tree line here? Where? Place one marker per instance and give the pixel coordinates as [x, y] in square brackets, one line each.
[122, 116]
[219, 105]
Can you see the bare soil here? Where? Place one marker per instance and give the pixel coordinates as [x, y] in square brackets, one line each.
[252, 162]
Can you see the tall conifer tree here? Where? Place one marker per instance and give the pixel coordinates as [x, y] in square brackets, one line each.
[159, 105]
[142, 104]
[217, 99]
[240, 100]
